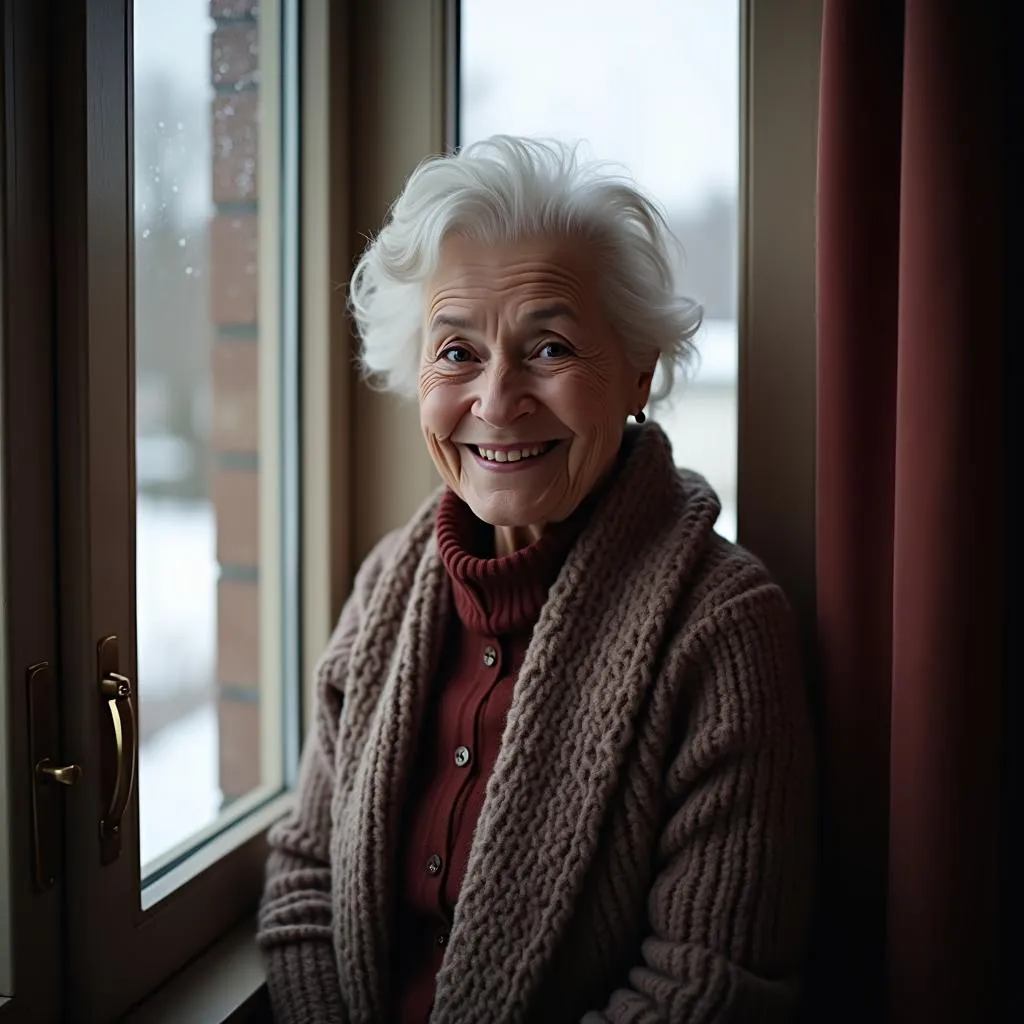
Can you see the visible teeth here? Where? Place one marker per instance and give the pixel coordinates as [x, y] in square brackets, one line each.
[511, 455]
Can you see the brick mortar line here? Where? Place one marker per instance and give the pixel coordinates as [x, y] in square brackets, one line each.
[238, 693]
[230, 20]
[233, 89]
[234, 573]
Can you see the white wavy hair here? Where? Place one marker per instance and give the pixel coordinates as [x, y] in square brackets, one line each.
[501, 190]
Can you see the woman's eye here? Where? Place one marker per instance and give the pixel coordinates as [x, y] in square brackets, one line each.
[553, 350]
[456, 354]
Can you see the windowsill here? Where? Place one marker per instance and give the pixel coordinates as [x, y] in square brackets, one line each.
[224, 984]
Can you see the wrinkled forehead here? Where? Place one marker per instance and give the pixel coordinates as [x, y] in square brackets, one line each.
[471, 273]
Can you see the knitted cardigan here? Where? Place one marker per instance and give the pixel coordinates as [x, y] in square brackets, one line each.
[645, 848]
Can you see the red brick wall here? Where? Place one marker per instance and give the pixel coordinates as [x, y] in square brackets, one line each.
[234, 282]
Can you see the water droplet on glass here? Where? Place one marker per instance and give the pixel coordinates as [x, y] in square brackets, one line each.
[160, 125]
[181, 243]
[146, 233]
[181, 126]
[174, 188]
[188, 271]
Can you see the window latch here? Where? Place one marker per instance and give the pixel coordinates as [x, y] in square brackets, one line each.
[48, 777]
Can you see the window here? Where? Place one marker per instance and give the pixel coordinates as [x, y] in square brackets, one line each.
[209, 356]
[157, 640]
[179, 514]
[656, 89]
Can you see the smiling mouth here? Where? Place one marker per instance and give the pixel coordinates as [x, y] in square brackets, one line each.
[505, 455]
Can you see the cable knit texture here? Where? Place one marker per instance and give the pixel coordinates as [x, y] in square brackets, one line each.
[645, 848]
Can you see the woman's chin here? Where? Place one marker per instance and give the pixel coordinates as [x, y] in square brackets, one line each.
[511, 515]
[509, 510]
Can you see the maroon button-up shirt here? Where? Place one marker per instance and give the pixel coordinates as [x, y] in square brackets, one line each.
[497, 603]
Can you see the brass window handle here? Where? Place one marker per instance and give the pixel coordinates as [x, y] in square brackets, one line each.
[118, 753]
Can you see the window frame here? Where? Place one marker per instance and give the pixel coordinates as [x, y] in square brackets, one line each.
[400, 114]
[28, 498]
[56, 956]
[328, 245]
[779, 64]
[111, 917]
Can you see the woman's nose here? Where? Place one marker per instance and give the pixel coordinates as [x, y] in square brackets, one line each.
[504, 398]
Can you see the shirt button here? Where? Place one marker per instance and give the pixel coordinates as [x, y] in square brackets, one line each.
[433, 865]
[490, 656]
[461, 756]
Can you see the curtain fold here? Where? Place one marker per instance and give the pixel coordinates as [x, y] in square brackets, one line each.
[910, 477]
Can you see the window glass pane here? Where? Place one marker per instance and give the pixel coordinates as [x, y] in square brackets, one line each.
[653, 85]
[208, 357]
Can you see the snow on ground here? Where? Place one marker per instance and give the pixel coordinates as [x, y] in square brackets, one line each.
[701, 422]
[178, 791]
[176, 593]
[176, 586]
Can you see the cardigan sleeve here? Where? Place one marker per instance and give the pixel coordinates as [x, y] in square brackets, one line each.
[729, 907]
[296, 914]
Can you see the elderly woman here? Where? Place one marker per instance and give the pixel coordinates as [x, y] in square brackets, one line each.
[561, 768]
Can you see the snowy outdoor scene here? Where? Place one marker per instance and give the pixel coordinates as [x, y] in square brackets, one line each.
[177, 619]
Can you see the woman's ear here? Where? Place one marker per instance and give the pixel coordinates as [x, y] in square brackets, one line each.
[642, 387]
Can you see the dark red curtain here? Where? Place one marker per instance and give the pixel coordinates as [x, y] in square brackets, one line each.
[910, 489]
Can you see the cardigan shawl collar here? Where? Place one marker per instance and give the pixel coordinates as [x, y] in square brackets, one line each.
[586, 674]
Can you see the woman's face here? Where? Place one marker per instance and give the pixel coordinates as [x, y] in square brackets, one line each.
[524, 388]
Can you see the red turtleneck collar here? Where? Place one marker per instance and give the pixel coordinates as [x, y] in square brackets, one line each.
[499, 595]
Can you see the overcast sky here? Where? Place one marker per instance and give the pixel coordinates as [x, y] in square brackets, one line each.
[653, 84]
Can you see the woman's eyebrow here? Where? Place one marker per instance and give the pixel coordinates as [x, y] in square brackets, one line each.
[552, 312]
[455, 322]
[451, 320]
